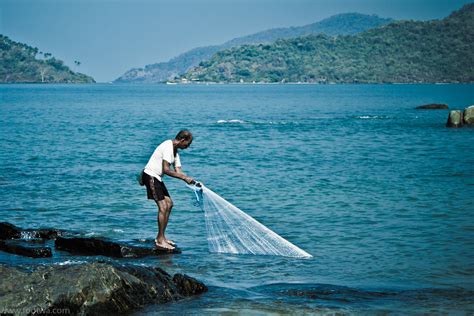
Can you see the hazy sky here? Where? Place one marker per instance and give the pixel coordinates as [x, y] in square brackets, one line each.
[111, 36]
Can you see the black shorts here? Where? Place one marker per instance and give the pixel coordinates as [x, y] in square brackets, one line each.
[155, 189]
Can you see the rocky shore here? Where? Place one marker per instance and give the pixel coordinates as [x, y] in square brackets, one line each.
[98, 287]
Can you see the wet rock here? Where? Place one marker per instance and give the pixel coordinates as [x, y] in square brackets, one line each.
[455, 119]
[188, 286]
[16, 247]
[85, 289]
[101, 247]
[468, 115]
[433, 106]
[88, 246]
[43, 233]
[9, 231]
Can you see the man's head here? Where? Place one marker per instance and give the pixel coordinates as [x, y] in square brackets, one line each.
[183, 139]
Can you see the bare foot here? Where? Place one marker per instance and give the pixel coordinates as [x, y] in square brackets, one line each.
[163, 245]
[169, 241]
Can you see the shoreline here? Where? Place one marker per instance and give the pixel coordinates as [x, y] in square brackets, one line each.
[234, 83]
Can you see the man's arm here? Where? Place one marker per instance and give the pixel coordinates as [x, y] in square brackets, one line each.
[178, 170]
[178, 173]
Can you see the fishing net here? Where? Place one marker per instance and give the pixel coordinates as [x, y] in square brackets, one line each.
[230, 230]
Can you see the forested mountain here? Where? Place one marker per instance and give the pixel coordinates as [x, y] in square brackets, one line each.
[18, 63]
[348, 23]
[404, 52]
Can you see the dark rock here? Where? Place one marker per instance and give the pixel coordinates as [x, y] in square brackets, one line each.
[433, 106]
[85, 289]
[138, 252]
[17, 248]
[89, 246]
[455, 119]
[9, 231]
[468, 115]
[188, 286]
[43, 233]
[101, 247]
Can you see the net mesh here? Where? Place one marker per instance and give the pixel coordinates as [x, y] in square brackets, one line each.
[230, 230]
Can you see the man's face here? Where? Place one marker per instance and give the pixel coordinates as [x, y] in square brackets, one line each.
[185, 143]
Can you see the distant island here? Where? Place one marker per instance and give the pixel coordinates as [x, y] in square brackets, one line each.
[341, 24]
[438, 51]
[19, 64]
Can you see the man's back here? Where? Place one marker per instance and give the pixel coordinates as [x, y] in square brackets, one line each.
[164, 151]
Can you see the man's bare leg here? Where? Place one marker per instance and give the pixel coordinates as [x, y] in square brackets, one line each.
[169, 205]
[162, 223]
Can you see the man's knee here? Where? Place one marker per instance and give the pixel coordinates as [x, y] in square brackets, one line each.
[169, 203]
[162, 206]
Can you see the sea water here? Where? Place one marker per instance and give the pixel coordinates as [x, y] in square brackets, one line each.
[381, 194]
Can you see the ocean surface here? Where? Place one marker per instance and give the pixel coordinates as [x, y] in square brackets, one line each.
[381, 194]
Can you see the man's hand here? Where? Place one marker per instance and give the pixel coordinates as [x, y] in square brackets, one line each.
[189, 180]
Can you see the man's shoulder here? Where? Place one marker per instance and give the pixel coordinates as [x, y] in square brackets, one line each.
[166, 143]
[165, 146]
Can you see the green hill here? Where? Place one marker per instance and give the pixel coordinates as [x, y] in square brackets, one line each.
[347, 23]
[400, 52]
[18, 63]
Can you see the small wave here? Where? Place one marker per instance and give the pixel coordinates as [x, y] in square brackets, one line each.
[372, 117]
[230, 121]
[91, 234]
[257, 122]
[27, 235]
[69, 262]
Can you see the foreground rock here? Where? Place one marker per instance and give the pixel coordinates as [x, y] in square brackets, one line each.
[90, 289]
[433, 106]
[101, 247]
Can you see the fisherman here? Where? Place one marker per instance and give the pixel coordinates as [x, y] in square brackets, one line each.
[165, 155]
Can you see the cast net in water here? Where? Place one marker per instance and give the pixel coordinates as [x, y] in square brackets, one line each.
[230, 230]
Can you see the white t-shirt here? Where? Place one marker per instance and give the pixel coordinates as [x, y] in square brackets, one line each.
[154, 167]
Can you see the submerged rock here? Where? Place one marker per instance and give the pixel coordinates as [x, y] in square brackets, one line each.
[101, 247]
[187, 285]
[17, 248]
[455, 119]
[433, 106]
[468, 115]
[89, 289]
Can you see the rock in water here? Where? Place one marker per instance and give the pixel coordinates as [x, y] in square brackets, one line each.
[88, 289]
[432, 106]
[9, 231]
[17, 248]
[455, 119]
[187, 285]
[100, 247]
[469, 115]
